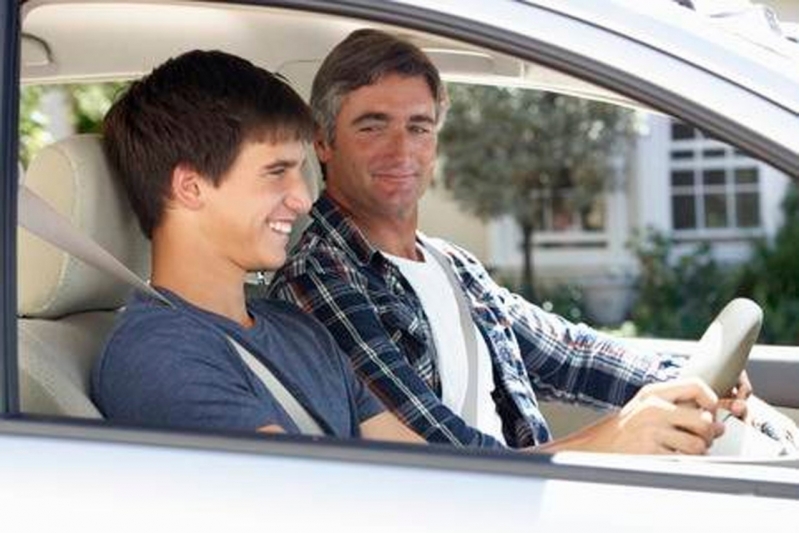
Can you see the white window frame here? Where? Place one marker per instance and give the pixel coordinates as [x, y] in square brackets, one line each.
[730, 161]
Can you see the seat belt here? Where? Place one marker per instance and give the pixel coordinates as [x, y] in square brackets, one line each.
[38, 217]
[469, 337]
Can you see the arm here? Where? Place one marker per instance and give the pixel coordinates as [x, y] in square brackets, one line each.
[386, 426]
[663, 418]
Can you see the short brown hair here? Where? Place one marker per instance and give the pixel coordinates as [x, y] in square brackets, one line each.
[197, 109]
[362, 59]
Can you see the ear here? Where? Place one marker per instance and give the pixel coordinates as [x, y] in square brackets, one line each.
[187, 187]
[324, 151]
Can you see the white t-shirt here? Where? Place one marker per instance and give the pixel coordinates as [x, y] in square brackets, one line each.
[433, 288]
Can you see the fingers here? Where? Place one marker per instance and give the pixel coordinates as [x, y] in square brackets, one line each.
[683, 413]
[690, 390]
[744, 387]
[684, 443]
[739, 408]
[692, 424]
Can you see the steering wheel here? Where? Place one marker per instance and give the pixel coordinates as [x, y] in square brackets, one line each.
[724, 348]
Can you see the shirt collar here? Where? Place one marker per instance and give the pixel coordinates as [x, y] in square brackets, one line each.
[337, 227]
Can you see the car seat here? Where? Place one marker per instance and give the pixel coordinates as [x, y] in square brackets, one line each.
[66, 308]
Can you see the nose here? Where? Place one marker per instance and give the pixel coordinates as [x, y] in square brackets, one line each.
[400, 141]
[298, 198]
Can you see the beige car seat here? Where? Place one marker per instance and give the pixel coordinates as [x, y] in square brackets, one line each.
[65, 307]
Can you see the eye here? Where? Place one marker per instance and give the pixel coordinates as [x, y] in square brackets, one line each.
[420, 129]
[277, 172]
[371, 127]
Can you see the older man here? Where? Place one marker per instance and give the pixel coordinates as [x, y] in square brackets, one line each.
[453, 354]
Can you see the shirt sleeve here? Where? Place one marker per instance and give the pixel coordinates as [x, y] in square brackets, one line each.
[338, 297]
[162, 369]
[574, 362]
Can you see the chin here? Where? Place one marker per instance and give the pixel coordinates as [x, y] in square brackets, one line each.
[273, 263]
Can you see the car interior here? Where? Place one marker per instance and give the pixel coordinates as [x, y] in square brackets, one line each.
[65, 307]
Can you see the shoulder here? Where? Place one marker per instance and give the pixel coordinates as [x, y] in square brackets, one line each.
[151, 335]
[464, 261]
[449, 248]
[287, 318]
[313, 253]
[316, 261]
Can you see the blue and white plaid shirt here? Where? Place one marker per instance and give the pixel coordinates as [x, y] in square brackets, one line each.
[335, 274]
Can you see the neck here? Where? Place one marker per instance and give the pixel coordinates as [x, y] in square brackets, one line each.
[393, 234]
[183, 267]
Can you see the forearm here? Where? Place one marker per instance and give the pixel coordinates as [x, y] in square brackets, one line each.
[575, 363]
[386, 426]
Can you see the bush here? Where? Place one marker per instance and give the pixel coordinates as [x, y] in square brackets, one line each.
[771, 278]
[677, 296]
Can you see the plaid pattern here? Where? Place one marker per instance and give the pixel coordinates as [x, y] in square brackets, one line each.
[335, 274]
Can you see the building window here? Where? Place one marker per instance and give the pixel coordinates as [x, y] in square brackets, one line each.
[714, 188]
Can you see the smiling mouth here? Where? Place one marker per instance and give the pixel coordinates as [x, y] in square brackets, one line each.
[283, 228]
[398, 176]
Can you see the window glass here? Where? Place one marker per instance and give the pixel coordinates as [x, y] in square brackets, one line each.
[725, 196]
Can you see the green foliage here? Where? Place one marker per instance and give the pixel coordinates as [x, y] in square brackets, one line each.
[88, 105]
[678, 296]
[771, 278]
[32, 124]
[564, 300]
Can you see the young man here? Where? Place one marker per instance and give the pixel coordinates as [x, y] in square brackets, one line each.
[209, 148]
[390, 295]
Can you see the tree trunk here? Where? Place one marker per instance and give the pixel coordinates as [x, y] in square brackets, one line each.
[528, 289]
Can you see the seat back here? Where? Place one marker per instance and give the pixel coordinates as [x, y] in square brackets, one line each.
[65, 307]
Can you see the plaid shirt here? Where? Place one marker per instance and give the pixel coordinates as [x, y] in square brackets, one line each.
[335, 274]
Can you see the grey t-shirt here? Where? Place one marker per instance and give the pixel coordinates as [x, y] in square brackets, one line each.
[174, 367]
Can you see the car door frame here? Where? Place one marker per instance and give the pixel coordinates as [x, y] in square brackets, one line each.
[9, 138]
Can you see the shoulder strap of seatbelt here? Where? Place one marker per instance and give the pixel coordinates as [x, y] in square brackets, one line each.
[38, 217]
[469, 336]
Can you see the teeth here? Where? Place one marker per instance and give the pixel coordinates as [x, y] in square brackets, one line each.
[280, 227]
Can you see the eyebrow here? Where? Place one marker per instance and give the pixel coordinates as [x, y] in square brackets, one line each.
[282, 163]
[383, 117]
[365, 117]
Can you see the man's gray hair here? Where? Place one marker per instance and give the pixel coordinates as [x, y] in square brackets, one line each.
[362, 59]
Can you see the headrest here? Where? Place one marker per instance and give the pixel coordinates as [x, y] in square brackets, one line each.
[72, 176]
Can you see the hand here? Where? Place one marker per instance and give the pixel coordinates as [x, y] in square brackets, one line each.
[736, 403]
[671, 417]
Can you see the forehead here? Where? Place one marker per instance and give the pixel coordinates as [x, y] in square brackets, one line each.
[269, 151]
[392, 94]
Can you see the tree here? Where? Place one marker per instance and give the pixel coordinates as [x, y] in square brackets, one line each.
[527, 153]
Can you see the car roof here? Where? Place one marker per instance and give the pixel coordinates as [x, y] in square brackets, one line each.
[61, 38]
